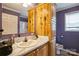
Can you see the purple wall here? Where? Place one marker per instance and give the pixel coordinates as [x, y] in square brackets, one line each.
[70, 39]
[59, 26]
[0, 16]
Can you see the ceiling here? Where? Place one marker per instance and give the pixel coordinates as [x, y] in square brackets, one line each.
[62, 6]
[15, 6]
[18, 7]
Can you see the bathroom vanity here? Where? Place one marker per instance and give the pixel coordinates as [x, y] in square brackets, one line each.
[39, 49]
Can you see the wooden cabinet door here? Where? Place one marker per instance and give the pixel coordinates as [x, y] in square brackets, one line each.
[38, 20]
[33, 53]
[43, 19]
[40, 52]
[31, 20]
[43, 51]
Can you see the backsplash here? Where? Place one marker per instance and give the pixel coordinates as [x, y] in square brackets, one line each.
[8, 36]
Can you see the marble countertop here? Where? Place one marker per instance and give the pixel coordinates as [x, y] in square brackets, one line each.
[17, 51]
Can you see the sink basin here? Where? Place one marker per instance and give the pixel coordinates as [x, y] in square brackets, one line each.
[29, 43]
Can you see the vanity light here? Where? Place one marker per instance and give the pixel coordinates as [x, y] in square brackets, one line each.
[26, 4]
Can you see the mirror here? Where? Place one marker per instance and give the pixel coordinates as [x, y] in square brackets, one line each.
[9, 24]
[23, 25]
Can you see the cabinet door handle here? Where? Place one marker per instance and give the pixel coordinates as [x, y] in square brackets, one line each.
[37, 50]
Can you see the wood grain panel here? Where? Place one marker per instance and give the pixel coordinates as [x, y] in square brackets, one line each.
[43, 20]
[43, 51]
[38, 20]
[40, 51]
[31, 19]
[43, 16]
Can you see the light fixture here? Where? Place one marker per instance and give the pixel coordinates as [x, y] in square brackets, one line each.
[26, 4]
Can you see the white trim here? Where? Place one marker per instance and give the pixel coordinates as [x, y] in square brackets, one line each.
[72, 12]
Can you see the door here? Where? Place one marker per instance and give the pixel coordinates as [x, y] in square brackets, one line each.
[31, 20]
[68, 28]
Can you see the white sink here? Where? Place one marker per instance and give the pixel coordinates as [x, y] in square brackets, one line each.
[27, 44]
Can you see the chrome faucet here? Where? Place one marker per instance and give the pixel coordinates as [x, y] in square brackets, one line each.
[25, 39]
[12, 38]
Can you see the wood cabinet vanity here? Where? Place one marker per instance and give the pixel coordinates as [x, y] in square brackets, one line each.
[40, 51]
[39, 20]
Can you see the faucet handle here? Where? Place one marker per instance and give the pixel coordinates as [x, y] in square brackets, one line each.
[25, 39]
